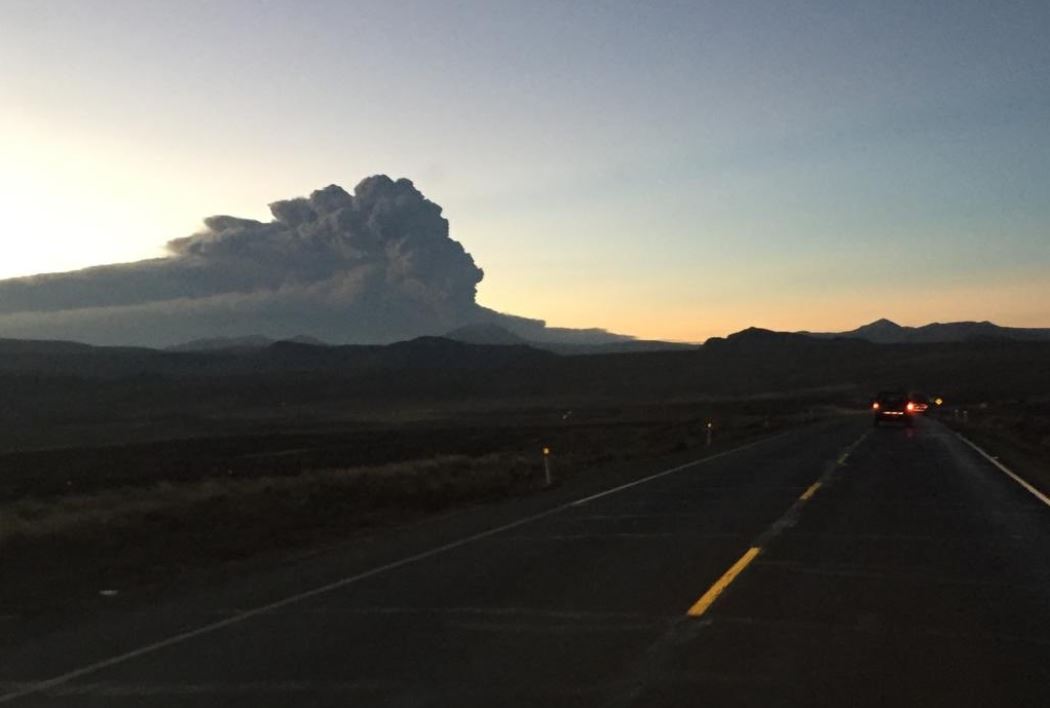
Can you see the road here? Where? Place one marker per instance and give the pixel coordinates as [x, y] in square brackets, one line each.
[833, 565]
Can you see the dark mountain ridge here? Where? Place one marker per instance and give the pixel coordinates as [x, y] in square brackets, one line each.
[884, 331]
[749, 362]
[251, 341]
[48, 389]
[559, 341]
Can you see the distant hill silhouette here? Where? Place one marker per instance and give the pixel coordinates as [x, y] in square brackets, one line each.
[751, 362]
[490, 333]
[57, 391]
[485, 333]
[253, 341]
[565, 341]
[64, 359]
[885, 331]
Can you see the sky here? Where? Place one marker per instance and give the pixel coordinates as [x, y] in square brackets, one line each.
[672, 170]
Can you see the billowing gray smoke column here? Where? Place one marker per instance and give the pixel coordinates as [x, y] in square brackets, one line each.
[373, 266]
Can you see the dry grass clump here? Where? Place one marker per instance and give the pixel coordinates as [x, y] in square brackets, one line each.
[58, 547]
[319, 497]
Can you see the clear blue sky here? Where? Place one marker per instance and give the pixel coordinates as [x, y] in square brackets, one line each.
[668, 169]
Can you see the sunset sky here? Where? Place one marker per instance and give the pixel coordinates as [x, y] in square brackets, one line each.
[671, 170]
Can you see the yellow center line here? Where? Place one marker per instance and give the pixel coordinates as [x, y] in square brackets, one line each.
[849, 450]
[810, 492]
[728, 577]
[708, 598]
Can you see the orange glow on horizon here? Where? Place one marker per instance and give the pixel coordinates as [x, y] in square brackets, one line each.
[1015, 301]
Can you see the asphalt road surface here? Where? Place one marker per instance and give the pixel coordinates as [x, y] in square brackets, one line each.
[834, 565]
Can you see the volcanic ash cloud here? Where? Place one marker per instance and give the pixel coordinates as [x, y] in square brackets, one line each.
[373, 266]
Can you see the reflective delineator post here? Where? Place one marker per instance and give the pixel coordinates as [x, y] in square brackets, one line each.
[547, 465]
[709, 427]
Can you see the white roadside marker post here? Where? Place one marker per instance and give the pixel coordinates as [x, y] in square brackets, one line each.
[709, 426]
[547, 465]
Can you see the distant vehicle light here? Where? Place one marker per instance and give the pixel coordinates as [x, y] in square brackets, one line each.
[910, 406]
[938, 401]
[875, 405]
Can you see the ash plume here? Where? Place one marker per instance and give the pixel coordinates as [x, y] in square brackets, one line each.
[372, 266]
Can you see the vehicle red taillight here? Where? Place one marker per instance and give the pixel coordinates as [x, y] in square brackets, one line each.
[875, 405]
[911, 406]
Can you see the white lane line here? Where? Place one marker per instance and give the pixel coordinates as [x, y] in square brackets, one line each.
[1012, 475]
[295, 692]
[33, 688]
[265, 688]
[679, 468]
[248, 614]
